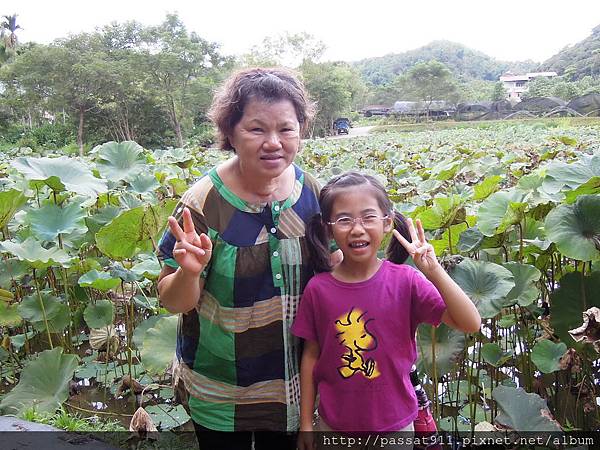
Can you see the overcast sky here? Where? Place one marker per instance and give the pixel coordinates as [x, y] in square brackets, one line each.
[351, 29]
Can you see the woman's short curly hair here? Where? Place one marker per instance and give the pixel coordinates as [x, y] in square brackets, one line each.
[263, 84]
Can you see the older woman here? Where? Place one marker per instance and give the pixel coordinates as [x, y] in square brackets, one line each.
[236, 264]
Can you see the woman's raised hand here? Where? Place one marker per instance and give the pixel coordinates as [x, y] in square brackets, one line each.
[192, 251]
[419, 249]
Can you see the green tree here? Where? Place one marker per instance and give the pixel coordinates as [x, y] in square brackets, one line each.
[431, 81]
[287, 49]
[10, 24]
[499, 92]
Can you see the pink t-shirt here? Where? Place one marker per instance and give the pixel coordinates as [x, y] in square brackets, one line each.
[366, 333]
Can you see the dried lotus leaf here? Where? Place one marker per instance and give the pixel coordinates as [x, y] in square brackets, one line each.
[100, 337]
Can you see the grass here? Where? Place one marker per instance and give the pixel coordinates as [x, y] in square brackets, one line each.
[72, 422]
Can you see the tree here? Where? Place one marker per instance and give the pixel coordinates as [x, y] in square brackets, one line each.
[287, 49]
[499, 92]
[336, 88]
[10, 24]
[431, 81]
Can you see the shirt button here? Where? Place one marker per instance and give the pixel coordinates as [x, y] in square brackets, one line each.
[273, 230]
[275, 254]
[276, 208]
[278, 276]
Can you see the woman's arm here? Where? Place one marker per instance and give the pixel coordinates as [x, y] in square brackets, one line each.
[460, 312]
[179, 289]
[308, 394]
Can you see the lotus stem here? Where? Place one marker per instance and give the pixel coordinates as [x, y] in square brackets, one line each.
[37, 289]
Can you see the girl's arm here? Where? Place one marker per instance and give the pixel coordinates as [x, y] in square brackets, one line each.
[460, 312]
[308, 394]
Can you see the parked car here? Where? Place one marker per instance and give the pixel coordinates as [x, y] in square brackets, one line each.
[342, 125]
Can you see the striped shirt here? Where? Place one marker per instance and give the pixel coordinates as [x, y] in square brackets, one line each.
[238, 359]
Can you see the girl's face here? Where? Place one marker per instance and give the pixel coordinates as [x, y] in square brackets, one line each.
[362, 226]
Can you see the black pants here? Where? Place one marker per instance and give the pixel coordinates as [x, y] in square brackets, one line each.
[242, 440]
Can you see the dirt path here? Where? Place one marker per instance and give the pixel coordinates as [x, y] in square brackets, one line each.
[354, 132]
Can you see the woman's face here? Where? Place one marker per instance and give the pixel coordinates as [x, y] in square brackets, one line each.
[267, 138]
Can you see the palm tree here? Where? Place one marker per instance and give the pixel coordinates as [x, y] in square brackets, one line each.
[10, 24]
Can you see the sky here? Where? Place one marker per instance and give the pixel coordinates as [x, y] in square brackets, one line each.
[351, 29]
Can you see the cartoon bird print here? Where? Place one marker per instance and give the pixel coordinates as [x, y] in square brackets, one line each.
[355, 336]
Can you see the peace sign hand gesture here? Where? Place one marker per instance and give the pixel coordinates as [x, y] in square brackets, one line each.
[421, 252]
[192, 251]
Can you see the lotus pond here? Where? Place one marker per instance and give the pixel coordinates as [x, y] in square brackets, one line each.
[513, 212]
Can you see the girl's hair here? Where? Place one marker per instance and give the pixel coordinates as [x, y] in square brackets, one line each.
[318, 232]
[263, 84]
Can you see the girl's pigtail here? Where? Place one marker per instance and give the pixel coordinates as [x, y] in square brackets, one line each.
[395, 251]
[318, 244]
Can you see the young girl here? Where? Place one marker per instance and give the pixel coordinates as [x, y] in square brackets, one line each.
[359, 318]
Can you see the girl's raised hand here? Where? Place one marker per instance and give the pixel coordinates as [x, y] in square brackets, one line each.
[419, 249]
[192, 251]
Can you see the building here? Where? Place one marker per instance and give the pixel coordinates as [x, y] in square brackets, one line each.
[515, 85]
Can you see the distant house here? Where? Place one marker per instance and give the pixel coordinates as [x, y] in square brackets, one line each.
[516, 85]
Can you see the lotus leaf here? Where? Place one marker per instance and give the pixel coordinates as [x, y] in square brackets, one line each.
[35, 255]
[470, 240]
[486, 284]
[146, 303]
[11, 269]
[499, 211]
[102, 281]
[140, 331]
[44, 384]
[148, 268]
[487, 187]
[10, 202]
[493, 354]
[158, 347]
[522, 411]
[61, 174]
[132, 231]
[9, 315]
[525, 276]
[546, 355]
[51, 220]
[120, 161]
[104, 337]
[18, 340]
[56, 312]
[592, 186]
[575, 229]
[572, 175]
[575, 295]
[143, 183]
[444, 212]
[100, 314]
[167, 416]
[449, 346]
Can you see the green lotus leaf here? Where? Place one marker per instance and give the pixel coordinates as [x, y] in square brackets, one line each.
[449, 346]
[525, 276]
[61, 174]
[493, 354]
[167, 416]
[9, 315]
[11, 269]
[450, 236]
[148, 268]
[118, 271]
[487, 187]
[146, 303]
[158, 347]
[10, 202]
[521, 411]
[592, 186]
[444, 212]
[35, 255]
[44, 384]
[486, 284]
[572, 175]
[499, 211]
[56, 311]
[102, 281]
[103, 216]
[445, 170]
[140, 331]
[143, 183]
[546, 355]
[120, 160]
[575, 295]
[470, 240]
[132, 231]
[51, 220]
[575, 229]
[99, 314]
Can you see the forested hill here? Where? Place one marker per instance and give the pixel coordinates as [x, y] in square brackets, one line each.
[464, 62]
[578, 60]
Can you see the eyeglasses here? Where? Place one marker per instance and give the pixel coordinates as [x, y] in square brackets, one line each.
[347, 223]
